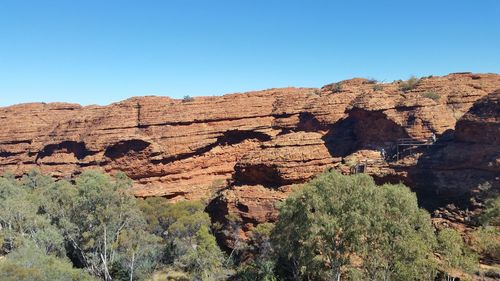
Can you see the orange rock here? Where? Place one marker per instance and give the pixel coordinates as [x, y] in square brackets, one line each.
[259, 143]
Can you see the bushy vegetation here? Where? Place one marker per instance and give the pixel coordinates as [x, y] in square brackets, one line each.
[334, 228]
[431, 95]
[187, 98]
[454, 253]
[337, 87]
[102, 229]
[338, 226]
[409, 84]
[377, 87]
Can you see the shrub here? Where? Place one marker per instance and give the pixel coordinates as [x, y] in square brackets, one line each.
[409, 84]
[337, 87]
[491, 214]
[454, 253]
[377, 87]
[30, 263]
[487, 241]
[187, 98]
[431, 95]
[335, 217]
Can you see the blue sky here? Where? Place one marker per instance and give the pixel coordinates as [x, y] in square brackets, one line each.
[102, 51]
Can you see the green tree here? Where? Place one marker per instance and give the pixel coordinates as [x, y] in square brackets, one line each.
[491, 213]
[335, 219]
[455, 255]
[399, 239]
[29, 263]
[487, 241]
[189, 244]
[21, 222]
[260, 265]
[102, 211]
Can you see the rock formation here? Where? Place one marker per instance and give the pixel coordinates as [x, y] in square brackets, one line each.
[247, 150]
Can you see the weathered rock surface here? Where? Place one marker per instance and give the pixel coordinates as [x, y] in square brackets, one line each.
[248, 149]
[465, 168]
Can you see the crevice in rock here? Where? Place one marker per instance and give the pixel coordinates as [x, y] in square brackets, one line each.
[187, 123]
[9, 154]
[309, 123]
[262, 174]
[78, 149]
[122, 148]
[362, 129]
[228, 138]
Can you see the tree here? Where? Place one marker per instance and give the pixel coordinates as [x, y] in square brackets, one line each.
[102, 211]
[30, 263]
[455, 255]
[487, 236]
[20, 221]
[491, 213]
[260, 265]
[399, 239]
[333, 220]
[487, 240]
[189, 244]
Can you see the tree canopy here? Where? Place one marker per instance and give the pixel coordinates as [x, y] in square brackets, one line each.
[338, 224]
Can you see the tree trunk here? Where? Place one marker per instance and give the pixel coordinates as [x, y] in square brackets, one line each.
[132, 267]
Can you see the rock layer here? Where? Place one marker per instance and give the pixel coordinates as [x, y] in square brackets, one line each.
[247, 150]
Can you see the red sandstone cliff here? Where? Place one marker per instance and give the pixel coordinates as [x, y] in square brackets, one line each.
[246, 150]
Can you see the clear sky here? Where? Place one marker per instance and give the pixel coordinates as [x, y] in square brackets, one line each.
[102, 51]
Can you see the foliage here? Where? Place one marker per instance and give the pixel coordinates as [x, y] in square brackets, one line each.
[431, 95]
[491, 213]
[409, 84]
[333, 219]
[30, 263]
[454, 253]
[187, 98]
[377, 87]
[487, 241]
[260, 266]
[337, 87]
[20, 221]
[189, 245]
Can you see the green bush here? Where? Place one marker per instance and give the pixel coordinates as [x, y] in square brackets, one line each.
[487, 241]
[431, 95]
[187, 98]
[454, 253]
[337, 87]
[377, 87]
[335, 217]
[409, 84]
[30, 263]
[491, 214]
[100, 225]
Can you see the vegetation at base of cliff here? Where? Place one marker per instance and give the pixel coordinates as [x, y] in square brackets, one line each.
[95, 228]
[340, 227]
[345, 227]
[335, 227]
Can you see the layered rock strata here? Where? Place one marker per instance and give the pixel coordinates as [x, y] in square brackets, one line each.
[247, 150]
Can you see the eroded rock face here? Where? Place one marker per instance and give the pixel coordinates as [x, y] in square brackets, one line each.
[465, 168]
[247, 150]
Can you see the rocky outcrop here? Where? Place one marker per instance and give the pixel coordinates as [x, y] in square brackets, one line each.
[457, 173]
[247, 150]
